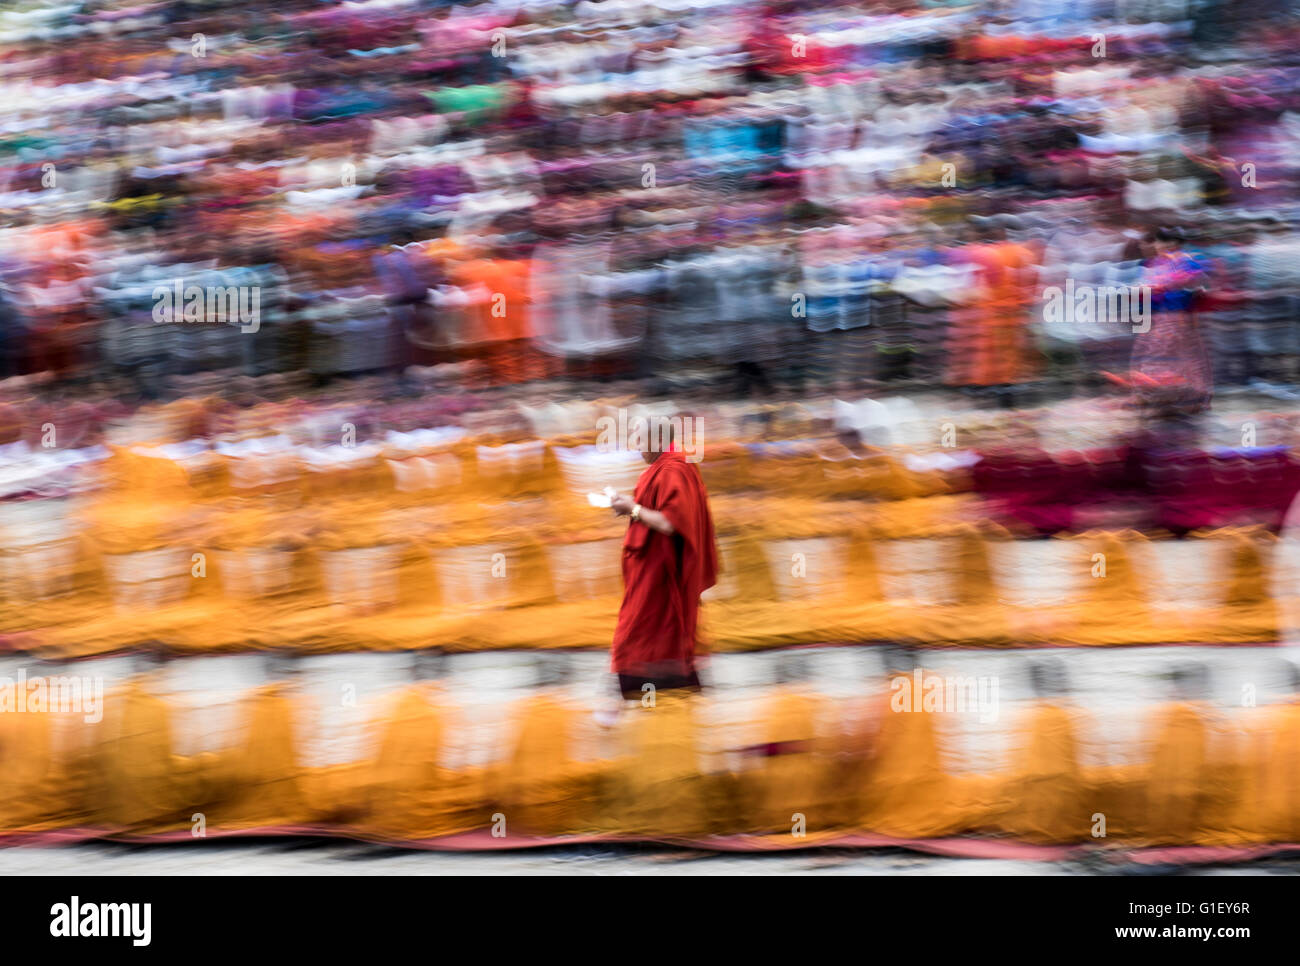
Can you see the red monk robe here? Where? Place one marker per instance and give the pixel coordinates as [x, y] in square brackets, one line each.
[663, 577]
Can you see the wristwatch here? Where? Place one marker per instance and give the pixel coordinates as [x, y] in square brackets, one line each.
[636, 512]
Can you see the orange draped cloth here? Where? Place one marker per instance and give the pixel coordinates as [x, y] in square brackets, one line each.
[414, 794]
[1180, 782]
[1045, 800]
[263, 776]
[542, 789]
[1278, 780]
[659, 787]
[146, 786]
[664, 576]
[794, 776]
[909, 793]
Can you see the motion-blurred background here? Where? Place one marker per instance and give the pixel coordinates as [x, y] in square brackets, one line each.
[311, 315]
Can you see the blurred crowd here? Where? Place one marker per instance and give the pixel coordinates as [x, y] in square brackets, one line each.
[788, 196]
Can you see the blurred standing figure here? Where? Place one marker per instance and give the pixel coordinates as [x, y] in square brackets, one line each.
[1169, 362]
[670, 558]
[988, 344]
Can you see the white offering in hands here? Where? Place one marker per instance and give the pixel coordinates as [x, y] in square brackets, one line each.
[605, 499]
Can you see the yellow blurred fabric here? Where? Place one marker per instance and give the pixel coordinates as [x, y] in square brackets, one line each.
[908, 793]
[1277, 776]
[146, 786]
[660, 785]
[414, 794]
[540, 787]
[1045, 795]
[398, 545]
[30, 794]
[793, 771]
[260, 779]
[1199, 782]
[1179, 779]
[487, 542]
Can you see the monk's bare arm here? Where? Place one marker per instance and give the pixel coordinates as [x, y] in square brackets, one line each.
[656, 521]
[622, 505]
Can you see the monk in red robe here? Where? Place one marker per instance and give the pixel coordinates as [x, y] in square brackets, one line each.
[669, 559]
